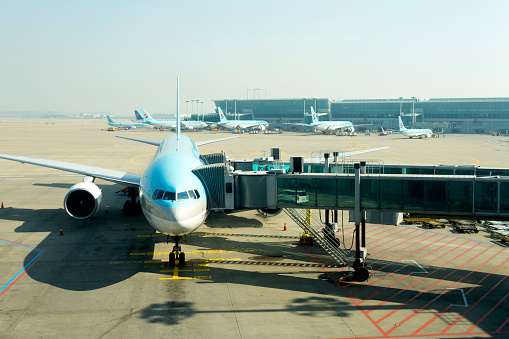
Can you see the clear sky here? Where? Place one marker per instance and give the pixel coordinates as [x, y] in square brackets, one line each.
[121, 55]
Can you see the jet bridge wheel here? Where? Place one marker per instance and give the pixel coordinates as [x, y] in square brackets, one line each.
[361, 273]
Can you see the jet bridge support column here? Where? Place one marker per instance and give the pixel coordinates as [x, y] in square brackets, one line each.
[360, 271]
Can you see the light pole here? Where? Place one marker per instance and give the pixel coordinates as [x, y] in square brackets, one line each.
[187, 109]
[413, 110]
[400, 103]
[202, 115]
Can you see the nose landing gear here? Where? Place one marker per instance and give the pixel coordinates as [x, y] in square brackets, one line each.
[177, 257]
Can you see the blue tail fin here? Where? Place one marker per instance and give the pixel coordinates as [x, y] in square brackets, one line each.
[314, 117]
[109, 119]
[222, 117]
[178, 115]
[138, 115]
[401, 126]
[145, 115]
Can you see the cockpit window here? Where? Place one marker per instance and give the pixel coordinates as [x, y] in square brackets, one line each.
[169, 195]
[182, 195]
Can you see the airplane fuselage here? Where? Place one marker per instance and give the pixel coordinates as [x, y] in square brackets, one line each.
[172, 198]
[242, 124]
[332, 125]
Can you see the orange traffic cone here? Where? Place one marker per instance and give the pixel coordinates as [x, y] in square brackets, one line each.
[284, 228]
[61, 231]
[2, 205]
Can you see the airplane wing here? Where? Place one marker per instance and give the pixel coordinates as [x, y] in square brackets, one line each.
[125, 178]
[344, 154]
[200, 143]
[157, 143]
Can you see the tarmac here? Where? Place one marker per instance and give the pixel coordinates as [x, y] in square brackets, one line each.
[245, 276]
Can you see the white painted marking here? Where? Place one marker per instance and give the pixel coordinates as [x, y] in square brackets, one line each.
[415, 262]
[12, 176]
[464, 297]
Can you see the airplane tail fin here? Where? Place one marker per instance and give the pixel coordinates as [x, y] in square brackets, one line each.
[178, 115]
[401, 126]
[222, 117]
[314, 117]
[109, 119]
[138, 115]
[145, 115]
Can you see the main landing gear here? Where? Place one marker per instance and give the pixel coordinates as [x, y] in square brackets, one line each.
[177, 257]
[132, 206]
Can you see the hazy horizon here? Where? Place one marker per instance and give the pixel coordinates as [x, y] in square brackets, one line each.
[118, 56]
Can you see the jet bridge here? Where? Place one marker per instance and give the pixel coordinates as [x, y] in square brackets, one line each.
[441, 191]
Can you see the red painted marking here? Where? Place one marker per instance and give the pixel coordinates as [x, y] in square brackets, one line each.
[401, 291]
[406, 276]
[471, 307]
[447, 308]
[439, 295]
[399, 269]
[488, 313]
[388, 255]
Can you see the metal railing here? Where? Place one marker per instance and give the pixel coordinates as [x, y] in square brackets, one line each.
[322, 234]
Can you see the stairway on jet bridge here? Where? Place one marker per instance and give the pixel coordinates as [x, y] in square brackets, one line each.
[321, 233]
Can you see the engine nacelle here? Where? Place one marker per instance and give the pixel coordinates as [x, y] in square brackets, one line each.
[352, 129]
[83, 200]
[269, 212]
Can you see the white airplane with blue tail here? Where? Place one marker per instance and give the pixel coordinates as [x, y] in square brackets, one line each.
[187, 124]
[326, 126]
[127, 125]
[240, 124]
[414, 132]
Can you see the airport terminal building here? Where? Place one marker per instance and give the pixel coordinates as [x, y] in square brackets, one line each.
[451, 115]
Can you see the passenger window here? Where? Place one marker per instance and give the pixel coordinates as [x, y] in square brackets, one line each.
[191, 194]
[182, 196]
[197, 194]
[169, 196]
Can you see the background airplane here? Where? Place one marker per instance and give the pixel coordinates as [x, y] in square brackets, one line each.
[127, 125]
[240, 124]
[325, 126]
[190, 124]
[413, 132]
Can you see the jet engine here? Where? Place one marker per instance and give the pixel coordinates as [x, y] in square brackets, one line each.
[83, 200]
[352, 129]
[269, 212]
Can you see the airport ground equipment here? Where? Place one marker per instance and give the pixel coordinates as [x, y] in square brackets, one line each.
[434, 224]
[465, 226]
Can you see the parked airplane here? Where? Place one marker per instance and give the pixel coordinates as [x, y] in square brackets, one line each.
[190, 124]
[240, 124]
[413, 132]
[325, 126]
[171, 196]
[127, 125]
